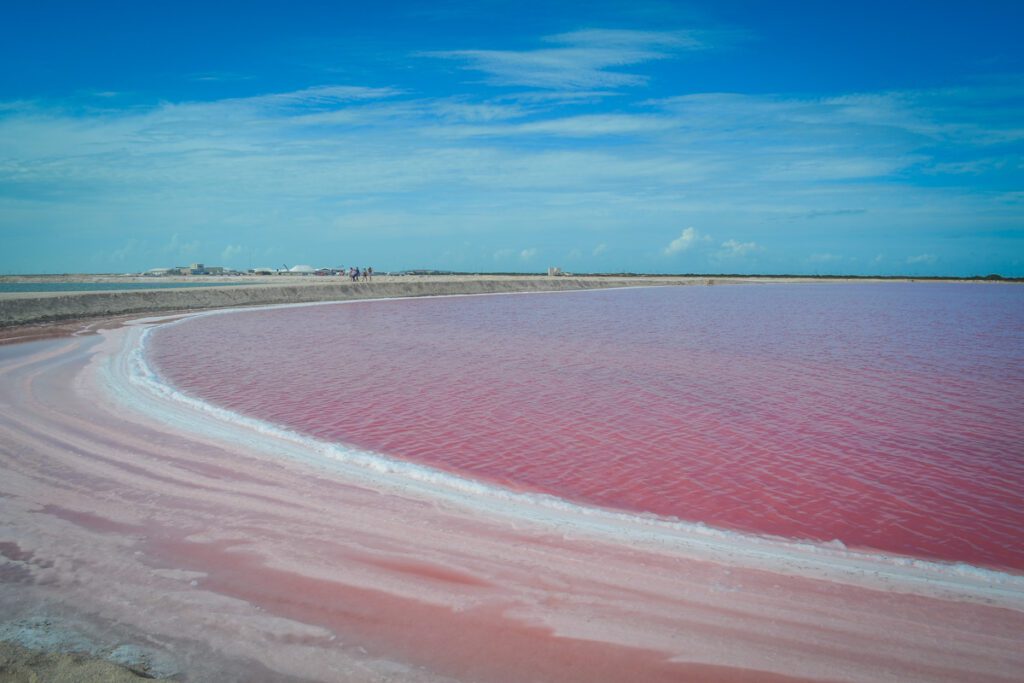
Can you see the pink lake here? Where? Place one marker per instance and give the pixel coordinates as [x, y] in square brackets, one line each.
[888, 416]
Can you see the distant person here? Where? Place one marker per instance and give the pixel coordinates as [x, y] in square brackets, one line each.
[368, 273]
[355, 277]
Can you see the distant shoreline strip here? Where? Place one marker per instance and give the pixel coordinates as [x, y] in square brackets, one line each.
[51, 307]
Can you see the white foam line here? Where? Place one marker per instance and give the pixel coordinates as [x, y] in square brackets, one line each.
[130, 379]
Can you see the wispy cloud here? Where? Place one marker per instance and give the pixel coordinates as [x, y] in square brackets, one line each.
[824, 258]
[734, 249]
[591, 125]
[231, 252]
[981, 114]
[219, 77]
[830, 213]
[344, 160]
[927, 259]
[462, 111]
[580, 60]
[124, 252]
[318, 96]
[180, 248]
[644, 42]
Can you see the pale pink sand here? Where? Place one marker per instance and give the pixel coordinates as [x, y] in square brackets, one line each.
[244, 547]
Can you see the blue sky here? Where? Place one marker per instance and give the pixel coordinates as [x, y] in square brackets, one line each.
[747, 137]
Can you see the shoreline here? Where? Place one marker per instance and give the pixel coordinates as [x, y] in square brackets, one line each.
[950, 576]
[554, 585]
[19, 309]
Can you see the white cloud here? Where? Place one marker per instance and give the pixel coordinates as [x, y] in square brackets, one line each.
[521, 254]
[231, 252]
[555, 97]
[453, 111]
[219, 76]
[628, 39]
[732, 248]
[577, 126]
[583, 59]
[124, 252]
[922, 258]
[179, 248]
[891, 124]
[323, 95]
[687, 238]
[343, 157]
[823, 258]
[599, 249]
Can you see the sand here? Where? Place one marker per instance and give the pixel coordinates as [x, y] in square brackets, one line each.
[238, 553]
[20, 665]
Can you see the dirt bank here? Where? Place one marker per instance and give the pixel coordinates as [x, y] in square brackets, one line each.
[18, 664]
[34, 307]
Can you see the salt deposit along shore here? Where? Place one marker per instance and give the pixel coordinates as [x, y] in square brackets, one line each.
[195, 543]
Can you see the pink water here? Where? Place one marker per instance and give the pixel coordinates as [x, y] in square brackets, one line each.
[887, 416]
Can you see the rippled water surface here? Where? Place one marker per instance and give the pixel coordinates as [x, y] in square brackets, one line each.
[887, 416]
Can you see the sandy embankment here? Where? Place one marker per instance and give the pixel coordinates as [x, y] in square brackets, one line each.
[37, 307]
[241, 554]
[33, 308]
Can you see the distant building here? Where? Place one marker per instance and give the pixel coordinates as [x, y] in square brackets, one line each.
[554, 270]
[191, 269]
